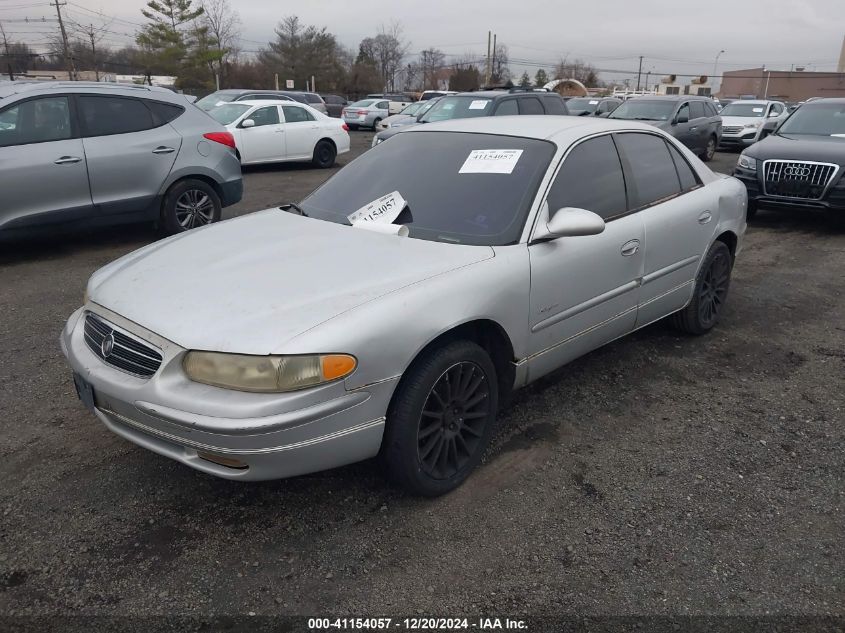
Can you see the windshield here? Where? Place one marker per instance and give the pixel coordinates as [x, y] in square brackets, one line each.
[744, 109]
[228, 113]
[364, 103]
[413, 109]
[577, 106]
[816, 119]
[216, 98]
[468, 205]
[458, 108]
[644, 110]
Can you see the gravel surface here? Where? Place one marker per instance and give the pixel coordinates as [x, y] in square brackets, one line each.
[662, 474]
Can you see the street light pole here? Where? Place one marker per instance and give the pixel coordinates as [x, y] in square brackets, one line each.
[716, 67]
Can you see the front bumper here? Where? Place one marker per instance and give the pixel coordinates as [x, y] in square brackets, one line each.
[739, 140]
[269, 436]
[832, 200]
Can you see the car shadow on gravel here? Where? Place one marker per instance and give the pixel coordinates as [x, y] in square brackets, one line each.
[792, 220]
[62, 243]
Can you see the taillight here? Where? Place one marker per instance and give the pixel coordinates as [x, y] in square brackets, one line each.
[224, 138]
[345, 127]
[362, 113]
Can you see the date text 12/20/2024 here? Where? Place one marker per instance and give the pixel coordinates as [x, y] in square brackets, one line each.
[417, 624]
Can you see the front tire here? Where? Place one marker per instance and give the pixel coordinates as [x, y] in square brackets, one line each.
[751, 210]
[375, 125]
[441, 419]
[190, 204]
[325, 154]
[710, 294]
[710, 150]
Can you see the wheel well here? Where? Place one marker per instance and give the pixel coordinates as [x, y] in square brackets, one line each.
[730, 240]
[330, 141]
[490, 336]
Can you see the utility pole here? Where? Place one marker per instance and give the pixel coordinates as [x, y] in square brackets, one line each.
[639, 72]
[493, 62]
[487, 70]
[68, 58]
[90, 34]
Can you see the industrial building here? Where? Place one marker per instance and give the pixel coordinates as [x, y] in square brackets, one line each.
[786, 85]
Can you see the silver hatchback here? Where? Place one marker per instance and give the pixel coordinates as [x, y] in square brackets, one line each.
[94, 154]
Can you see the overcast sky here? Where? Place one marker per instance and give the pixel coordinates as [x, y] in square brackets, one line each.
[674, 37]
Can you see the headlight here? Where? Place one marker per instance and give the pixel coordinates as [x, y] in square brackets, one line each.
[746, 162]
[266, 374]
[750, 125]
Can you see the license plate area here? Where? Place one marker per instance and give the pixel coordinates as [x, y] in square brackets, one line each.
[85, 391]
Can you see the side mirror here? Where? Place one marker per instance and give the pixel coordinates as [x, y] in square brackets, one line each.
[570, 222]
[247, 123]
[682, 118]
[773, 114]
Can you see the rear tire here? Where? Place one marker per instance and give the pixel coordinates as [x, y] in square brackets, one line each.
[441, 419]
[709, 294]
[189, 204]
[710, 150]
[751, 211]
[352, 126]
[325, 154]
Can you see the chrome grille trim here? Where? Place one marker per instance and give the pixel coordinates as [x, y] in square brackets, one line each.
[816, 176]
[731, 129]
[129, 353]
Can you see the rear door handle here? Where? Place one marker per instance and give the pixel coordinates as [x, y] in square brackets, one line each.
[67, 160]
[630, 248]
[163, 150]
[705, 217]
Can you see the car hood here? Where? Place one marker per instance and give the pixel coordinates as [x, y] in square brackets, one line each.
[825, 149]
[739, 121]
[251, 284]
[386, 134]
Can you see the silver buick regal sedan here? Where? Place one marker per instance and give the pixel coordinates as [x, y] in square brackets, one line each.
[389, 312]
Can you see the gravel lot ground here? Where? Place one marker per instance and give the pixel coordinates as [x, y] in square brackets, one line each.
[659, 475]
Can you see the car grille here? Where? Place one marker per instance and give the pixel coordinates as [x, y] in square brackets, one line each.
[797, 179]
[731, 129]
[124, 352]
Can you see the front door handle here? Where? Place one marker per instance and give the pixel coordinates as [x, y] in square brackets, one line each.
[163, 150]
[67, 160]
[630, 248]
[705, 217]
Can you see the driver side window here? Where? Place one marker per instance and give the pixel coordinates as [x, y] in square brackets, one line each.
[591, 178]
[683, 113]
[265, 116]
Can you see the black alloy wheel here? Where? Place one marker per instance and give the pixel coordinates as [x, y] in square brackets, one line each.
[710, 293]
[451, 425]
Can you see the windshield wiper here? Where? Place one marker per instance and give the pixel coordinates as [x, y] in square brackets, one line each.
[292, 205]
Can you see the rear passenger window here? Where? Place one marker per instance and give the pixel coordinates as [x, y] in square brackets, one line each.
[531, 105]
[591, 178]
[506, 108]
[294, 114]
[554, 105]
[382, 105]
[696, 110]
[164, 112]
[104, 116]
[652, 170]
[711, 109]
[685, 173]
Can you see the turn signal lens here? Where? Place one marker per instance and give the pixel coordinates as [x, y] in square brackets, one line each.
[337, 366]
[266, 374]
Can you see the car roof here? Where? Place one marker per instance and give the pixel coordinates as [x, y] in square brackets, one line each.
[670, 98]
[10, 88]
[558, 129]
[837, 100]
[258, 102]
[755, 101]
[493, 94]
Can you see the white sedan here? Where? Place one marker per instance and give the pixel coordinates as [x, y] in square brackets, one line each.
[277, 131]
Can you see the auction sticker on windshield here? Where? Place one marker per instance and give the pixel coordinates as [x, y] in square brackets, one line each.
[384, 210]
[478, 104]
[491, 161]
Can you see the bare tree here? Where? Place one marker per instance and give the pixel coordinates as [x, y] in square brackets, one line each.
[432, 61]
[501, 74]
[577, 69]
[386, 50]
[91, 35]
[224, 30]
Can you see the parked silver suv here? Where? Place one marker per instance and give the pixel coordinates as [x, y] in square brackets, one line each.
[95, 153]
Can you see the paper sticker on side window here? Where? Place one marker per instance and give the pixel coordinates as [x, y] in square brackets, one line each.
[384, 210]
[491, 161]
[478, 104]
